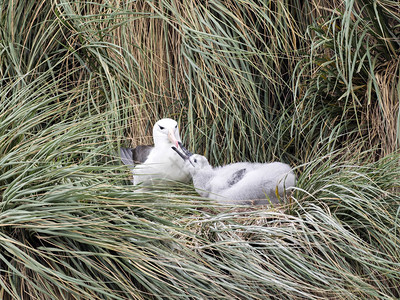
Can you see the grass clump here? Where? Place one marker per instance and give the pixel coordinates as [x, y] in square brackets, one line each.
[311, 84]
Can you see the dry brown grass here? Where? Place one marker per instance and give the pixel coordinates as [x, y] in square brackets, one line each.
[383, 115]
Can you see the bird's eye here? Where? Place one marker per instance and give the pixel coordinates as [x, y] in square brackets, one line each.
[195, 160]
[176, 126]
[162, 128]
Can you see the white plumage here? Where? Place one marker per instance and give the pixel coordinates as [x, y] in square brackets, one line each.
[239, 183]
[157, 164]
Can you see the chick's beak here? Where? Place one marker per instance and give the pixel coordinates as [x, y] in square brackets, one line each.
[172, 138]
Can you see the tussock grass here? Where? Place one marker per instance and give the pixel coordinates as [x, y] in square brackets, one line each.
[313, 84]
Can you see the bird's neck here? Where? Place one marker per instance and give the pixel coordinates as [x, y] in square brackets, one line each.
[201, 181]
[202, 176]
[162, 143]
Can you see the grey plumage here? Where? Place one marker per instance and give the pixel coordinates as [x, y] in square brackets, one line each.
[236, 176]
[137, 155]
[240, 183]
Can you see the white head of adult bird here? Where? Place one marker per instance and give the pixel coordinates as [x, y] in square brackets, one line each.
[166, 132]
[239, 183]
[159, 163]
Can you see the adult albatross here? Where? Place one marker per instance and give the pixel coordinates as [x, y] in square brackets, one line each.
[159, 163]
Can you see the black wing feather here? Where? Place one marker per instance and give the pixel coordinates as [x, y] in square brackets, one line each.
[141, 153]
[237, 176]
[137, 155]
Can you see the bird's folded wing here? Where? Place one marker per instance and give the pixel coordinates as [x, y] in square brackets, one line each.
[126, 155]
[141, 153]
[138, 155]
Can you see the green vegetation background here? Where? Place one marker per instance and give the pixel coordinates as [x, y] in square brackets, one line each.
[315, 84]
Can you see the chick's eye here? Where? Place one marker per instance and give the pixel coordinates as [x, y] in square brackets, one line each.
[162, 128]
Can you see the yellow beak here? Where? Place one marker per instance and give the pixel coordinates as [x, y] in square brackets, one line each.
[172, 138]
